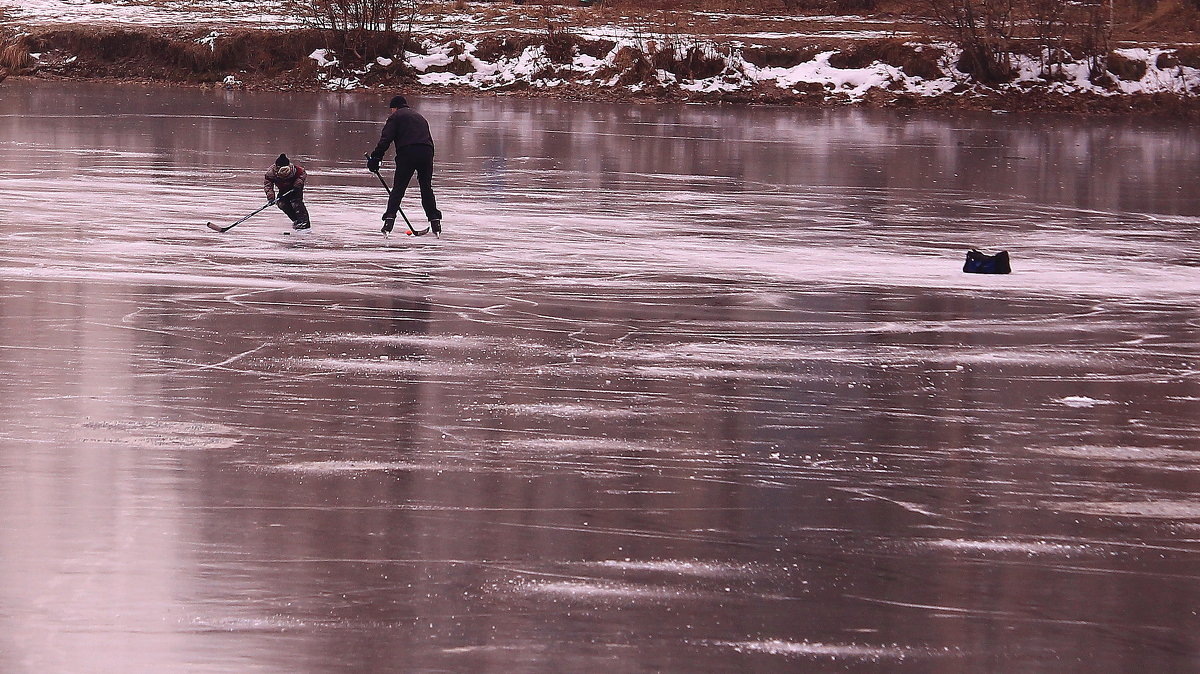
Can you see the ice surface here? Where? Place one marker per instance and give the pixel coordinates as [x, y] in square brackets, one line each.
[679, 389]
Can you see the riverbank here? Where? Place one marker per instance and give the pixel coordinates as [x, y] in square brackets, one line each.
[711, 59]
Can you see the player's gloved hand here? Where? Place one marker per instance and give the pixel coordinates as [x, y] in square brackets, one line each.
[373, 164]
[270, 196]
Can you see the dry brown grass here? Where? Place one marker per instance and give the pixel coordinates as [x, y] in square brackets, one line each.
[914, 62]
[495, 47]
[1184, 56]
[177, 56]
[1165, 20]
[1125, 68]
[776, 56]
[14, 55]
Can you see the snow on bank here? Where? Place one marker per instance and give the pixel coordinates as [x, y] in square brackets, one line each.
[455, 63]
[631, 64]
[125, 12]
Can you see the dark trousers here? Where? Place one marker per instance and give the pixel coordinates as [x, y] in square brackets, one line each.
[412, 159]
[292, 206]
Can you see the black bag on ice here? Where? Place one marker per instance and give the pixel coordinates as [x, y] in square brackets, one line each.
[979, 263]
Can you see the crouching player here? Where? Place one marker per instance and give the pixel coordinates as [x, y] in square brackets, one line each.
[289, 179]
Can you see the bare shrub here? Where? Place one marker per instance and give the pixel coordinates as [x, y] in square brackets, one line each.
[350, 15]
[832, 6]
[358, 23]
[1049, 19]
[1094, 27]
[560, 41]
[633, 65]
[695, 63]
[701, 63]
[983, 29]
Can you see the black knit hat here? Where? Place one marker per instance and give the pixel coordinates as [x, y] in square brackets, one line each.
[398, 102]
[282, 160]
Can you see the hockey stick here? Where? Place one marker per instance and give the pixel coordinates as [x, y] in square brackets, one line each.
[411, 230]
[218, 228]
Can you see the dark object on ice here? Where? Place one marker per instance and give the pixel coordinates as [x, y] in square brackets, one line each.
[980, 263]
[282, 160]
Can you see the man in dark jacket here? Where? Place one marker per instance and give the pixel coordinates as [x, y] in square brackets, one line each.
[414, 154]
[289, 179]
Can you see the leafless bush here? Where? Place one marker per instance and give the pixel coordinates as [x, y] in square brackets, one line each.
[1049, 19]
[832, 6]
[989, 31]
[351, 15]
[697, 62]
[984, 30]
[633, 66]
[357, 21]
[560, 41]
[1095, 26]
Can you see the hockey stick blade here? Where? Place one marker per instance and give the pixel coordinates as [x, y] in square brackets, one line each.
[215, 228]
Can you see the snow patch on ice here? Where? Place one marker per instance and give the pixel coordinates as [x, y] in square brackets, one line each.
[1082, 401]
[568, 410]
[1165, 509]
[274, 623]
[441, 341]
[819, 649]
[678, 567]
[1133, 454]
[343, 467]
[387, 365]
[582, 445]
[158, 434]
[588, 590]
[1005, 545]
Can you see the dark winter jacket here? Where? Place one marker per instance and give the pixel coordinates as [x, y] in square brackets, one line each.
[272, 180]
[405, 127]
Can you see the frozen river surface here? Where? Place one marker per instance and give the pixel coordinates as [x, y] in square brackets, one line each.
[680, 389]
